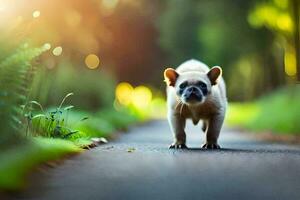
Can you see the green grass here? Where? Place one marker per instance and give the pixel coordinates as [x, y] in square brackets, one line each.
[278, 113]
[66, 122]
[31, 134]
[17, 162]
[100, 124]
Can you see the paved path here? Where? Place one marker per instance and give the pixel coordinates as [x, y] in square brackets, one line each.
[244, 169]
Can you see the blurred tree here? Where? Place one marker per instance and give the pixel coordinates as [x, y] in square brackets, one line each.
[178, 30]
[134, 52]
[217, 32]
[121, 33]
[133, 38]
[296, 16]
[282, 18]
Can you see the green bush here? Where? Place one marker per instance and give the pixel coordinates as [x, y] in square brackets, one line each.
[277, 112]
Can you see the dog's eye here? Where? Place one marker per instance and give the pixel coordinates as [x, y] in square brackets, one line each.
[201, 85]
[183, 85]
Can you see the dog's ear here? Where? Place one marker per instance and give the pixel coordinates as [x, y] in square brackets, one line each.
[214, 73]
[170, 76]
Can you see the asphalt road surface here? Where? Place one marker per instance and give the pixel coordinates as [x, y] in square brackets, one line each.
[140, 166]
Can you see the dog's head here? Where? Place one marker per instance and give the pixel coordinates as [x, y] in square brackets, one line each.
[192, 87]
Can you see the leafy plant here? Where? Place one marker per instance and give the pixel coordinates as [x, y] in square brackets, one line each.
[16, 74]
[53, 123]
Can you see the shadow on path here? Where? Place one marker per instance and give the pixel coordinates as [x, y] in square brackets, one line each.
[229, 150]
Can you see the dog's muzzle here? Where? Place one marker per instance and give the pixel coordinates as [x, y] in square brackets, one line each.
[193, 94]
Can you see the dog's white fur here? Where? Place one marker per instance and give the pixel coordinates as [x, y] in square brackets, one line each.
[211, 110]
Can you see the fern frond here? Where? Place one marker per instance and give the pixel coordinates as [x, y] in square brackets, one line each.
[16, 74]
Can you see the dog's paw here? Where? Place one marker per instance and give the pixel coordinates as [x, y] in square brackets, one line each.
[178, 146]
[211, 146]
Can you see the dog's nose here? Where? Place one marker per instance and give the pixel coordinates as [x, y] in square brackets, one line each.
[193, 93]
[192, 90]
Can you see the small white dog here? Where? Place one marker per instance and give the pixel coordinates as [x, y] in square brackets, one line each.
[195, 92]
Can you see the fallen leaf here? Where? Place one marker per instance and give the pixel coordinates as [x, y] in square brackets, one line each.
[130, 150]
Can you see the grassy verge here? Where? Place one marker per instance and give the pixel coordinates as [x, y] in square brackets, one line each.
[17, 162]
[278, 113]
[101, 124]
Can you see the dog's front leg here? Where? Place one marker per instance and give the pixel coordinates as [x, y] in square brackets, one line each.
[213, 132]
[177, 124]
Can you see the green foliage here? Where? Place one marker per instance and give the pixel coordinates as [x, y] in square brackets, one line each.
[53, 123]
[101, 124]
[178, 29]
[17, 162]
[273, 14]
[121, 119]
[277, 113]
[62, 122]
[218, 33]
[241, 113]
[94, 89]
[16, 73]
[76, 128]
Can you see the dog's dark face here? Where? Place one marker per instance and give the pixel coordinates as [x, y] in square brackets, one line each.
[192, 92]
[192, 88]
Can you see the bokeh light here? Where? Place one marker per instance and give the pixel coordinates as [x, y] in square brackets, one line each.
[271, 17]
[284, 22]
[110, 4]
[141, 97]
[139, 100]
[282, 3]
[123, 93]
[158, 108]
[47, 46]
[36, 13]
[57, 51]
[92, 61]
[25, 45]
[290, 63]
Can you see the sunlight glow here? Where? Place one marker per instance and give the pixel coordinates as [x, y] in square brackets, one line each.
[57, 51]
[141, 97]
[110, 4]
[284, 22]
[290, 63]
[158, 108]
[36, 13]
[73, 18]
[47, 46]
[282, 3]
[139, 100]
[92, 61]
[2, 8]
[272, 17]
[124, 93]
